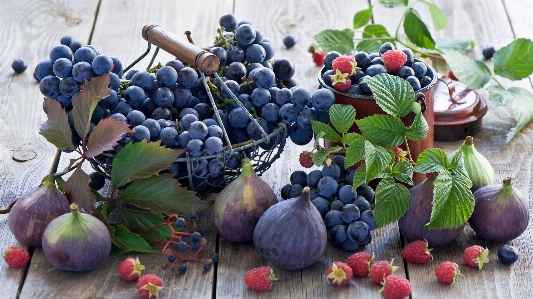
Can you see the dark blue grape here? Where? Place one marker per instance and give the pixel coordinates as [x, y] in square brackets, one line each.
[323, 99]
[337, 235]
[295, 191]
[328, 59]
[260, 96]
[182, 246]
[488, 52]
[405, 72]
[119, 116]
[161, 113]
[289, 41]
[368, 218]
[245, 34]
[235, 54]
[234, 161]
[144, 80]
[135, 96]
[69, 87]
[233, 87]
[135, 118]
[65, 101]
[182, 97]
[62, 67]
[175, 64]
[254, 130]
[283, 68]
[410, 56]
[74, 46]
[216, 167]
[288, 113]
[346, 194]
[84, 54]
[171, 258]
[43, 69]
[214, 257]
[168, 136]
[102, 64]
[367, 192]
[333, 171]
[220, 53]
[130, 74]
[141, 132]
[49, 86]
[336, 205]
[298, 177]
[164, 97]
[123, 108]
[361, 203]
[213, 146]
[167, 76]
[255, 53]
[197, 130]
[60, 51]
[424, 81]
[377, 60]
[283, 96]
[238, 118]
[195, 147]
[367, 240]
[214, 131]
[153, 126]
[206, 266]
[263, 77]
[187, 120]
[183, 139]
[349, 245]
[350, 213]
[187, 77]
[300, 97]
[332, 218]
[269, 50]
[299, 135]
[235, 71]
[66, 40]
[326, 77]
[182, 268]
[321, 205]
[313, 177]
[305, 116]
[270, 112]
[364, 86]
[82, 71]
[228, 21]
[358, 231]
[507, 254]
[327, 186]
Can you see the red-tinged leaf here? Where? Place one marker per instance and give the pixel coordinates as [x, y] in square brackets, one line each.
[56, 128]
[105, 136]
[162, 194]
[77, 190]
[139, 160]
[84, 102]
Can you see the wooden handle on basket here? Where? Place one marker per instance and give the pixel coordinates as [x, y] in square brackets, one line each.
[193, 55]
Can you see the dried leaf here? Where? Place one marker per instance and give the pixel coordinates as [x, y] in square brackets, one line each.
[56, 128]
[77, 190]
[105, 136]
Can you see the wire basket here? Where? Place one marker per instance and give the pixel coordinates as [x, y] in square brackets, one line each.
[261, 153]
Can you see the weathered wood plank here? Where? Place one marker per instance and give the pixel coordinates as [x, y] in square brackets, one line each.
[28, 30]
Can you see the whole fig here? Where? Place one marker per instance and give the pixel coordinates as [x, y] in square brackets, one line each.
[76, 241]
[239, 205]
[291, 234]
[34, 210]
[500, 213]
[419, 213]
[477, 166]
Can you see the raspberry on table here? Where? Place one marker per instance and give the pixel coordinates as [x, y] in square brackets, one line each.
[417, 252]
[339, 274]
[130, 269]
[306, 159]
[394, 60]
[395, 287]
[345, 63]
[260, 278]
[360, 262]
[475, 256]
[149, 286]
[381, 269]
[447, 272]
[16, 257]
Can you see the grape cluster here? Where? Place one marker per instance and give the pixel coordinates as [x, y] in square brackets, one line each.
[255, 95]
[414, 70]
[347, 213]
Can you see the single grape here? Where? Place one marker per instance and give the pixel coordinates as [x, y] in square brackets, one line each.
[153, 126]
[141, 132]
[313, 177]
[161, 113]
[84, 54]
[245, 34]
[336, 205]
[180, 222]
[66, 40]
[289, 41]
[135, 96]
[228, 21]
[187, 120]
[236, 71]
[327, 186]
[367, 192]
[358, 231]
[420, 68]
[263, 77]
[299, 135]
[175, 64]
[182, 97]
[213, 145]
[206, 266]
[337, 235]
[60, 51]
[144, 80]
[168, 136]
[368, 218]
[323, 99]
[507, 254]
[167, 76]
[197, 130]
[346, 194]
[238, 118]
[283, 68]
[269, 50]
[254, 130]
[362, 60]
[183, 139]
[135, 118]
[332, 218]
[361, 203]
[305, 116]
[288, 113]
[195, 147]
[321, 205]
[295, 190]
[216, 167]
[182, 268]
[19, 65]
[69, 87]
[49, 86]
[43, 69]
[328, 59]
[220, 53]
[102, 64]
[82, 71]
[255, 53]
[214, 257]
[350, 213]
[187, 77]
[235, 54]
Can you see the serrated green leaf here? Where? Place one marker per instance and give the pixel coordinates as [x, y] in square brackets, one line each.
[128, 240]
[377, 159]
[319, 157]
[520, 100]
[439, 18]
[106, 209]
[385, 130]
[141, 160]
[471, 72]
[105, 136]
[359, 177]
[460, 45]
[393, 94]
[393, 3]
[362, 17]
[144, 221]
[514, 61]
[453, 202]
[350, 138]
[118, 250]
[403, 172]
[419, 130]
[368, 45]
[84, 102]
[456, 165]
[56, 128]
[376, 31]
[335, 40]
[162, 194]
[77, 190]
[392, 201]
[342, 117]
[431, 160]
[355, 152]
[324, 131]
[417, 31]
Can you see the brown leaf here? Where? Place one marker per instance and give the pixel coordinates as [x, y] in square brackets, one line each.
[56, 128]
[105, 135]
[77, 190]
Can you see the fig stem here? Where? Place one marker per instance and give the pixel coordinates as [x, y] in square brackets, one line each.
[8, 209]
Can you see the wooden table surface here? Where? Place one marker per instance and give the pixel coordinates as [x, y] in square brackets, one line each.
[30, 28]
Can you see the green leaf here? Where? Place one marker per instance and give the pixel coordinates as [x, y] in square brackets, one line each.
[403, 172]
[118, 250]
[128, 240]
[471, 72]
[319, 157]
[106, 209]
[431, 160]
[56, 128]
[359, 177]
[453, 202]
[520, 100]
[84, 102]
[335, 40]
[350, 138]
[393, 94]
[342, 117]
[461, 45]
[105, 136]
[385, 130]
[514, 61]
[376, 31]
[144, 221]
[355, 152]
[141, 160]
[417, 31]
[439, 18]
[368, 45]
[324, 131]
[361, 18]
[392, 201]
[419, 130]
[456, 164]
[377, 159]
[162, 194]
[77, 190]
[393, 3]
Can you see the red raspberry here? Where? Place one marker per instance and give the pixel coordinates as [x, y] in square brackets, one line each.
[395, 287]
[130, 269]
[306, 159]
[475, 256]
[417, 252]
[345, 63]
[394, 60]
[16, 257]
[341, 81]
[318, 58]
[360, 263]
[149, 286]
[260, 278]
[447, 272]
[381, 269]
[339, 274]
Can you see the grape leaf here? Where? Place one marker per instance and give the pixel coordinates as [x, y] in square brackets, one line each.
[322, 130]
[393, 94]
[143, 221]
[471, 72]
[77, 190]
[392, 201]
[335, 40]
[361, 18]
[84, 102]
[377, 159]
[56, 128]
[403, 172]
[342, 117]
[519, 100]
[431, 160]
[385, 130]
[514, 61]
[141, 160]
[453, 202]
[105, 136]
[126, 239]
[419, 129]
[162, 194]
[417, 31]
[439, 18]
[393, 3]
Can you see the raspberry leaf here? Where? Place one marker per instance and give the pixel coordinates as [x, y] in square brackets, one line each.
[56, 128]
[384, 130]
[377, 159]
[105, 136]
[514, 61]
[403, 172]
[367, 45]
[342, 117]
[393, 94]
[320, 156]
[359, 176]
[393, 202]
[361, 18]
[419, 129]
[471, 72]
[322, 130]
[355, 151]
[439, 18]
[335, 40]
[417, 31]
[130, 241]
[378, 33]
[431, 160]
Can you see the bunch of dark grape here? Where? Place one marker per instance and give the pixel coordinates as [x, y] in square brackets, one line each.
[347, 213]
[254, 94]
